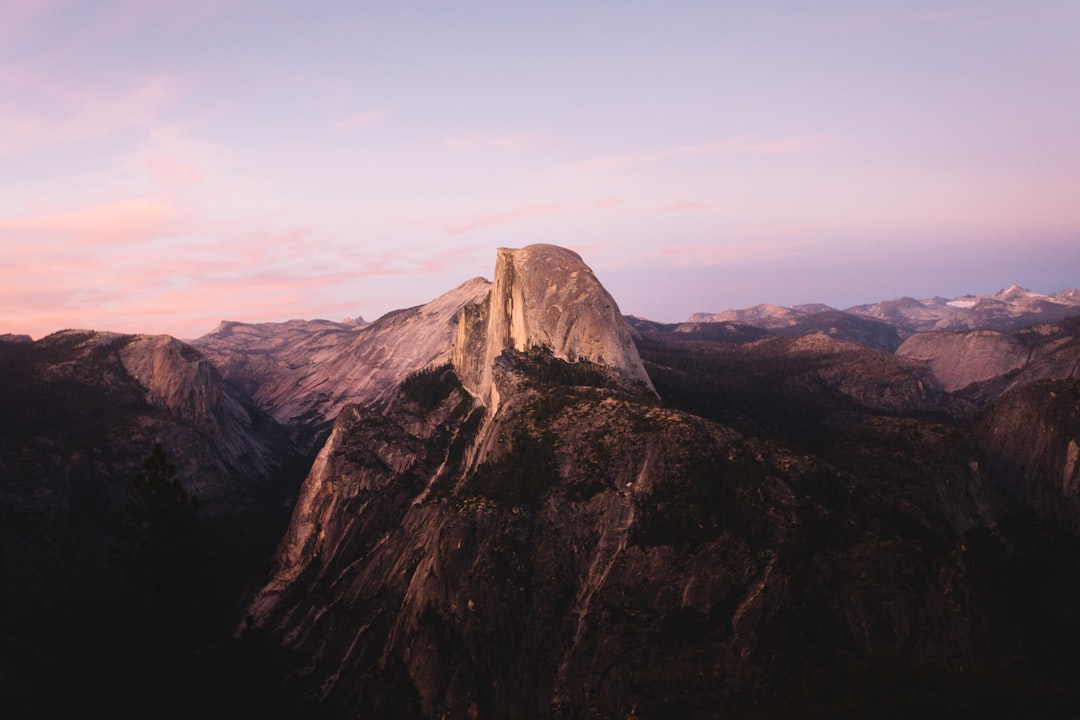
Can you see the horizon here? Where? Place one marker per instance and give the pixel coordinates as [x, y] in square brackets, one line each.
[168, 167]
[375, 318]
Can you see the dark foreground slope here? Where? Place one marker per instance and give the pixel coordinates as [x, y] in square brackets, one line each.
[82, 412]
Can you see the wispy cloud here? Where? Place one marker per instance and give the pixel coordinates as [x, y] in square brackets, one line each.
[39, 112]
[359, 120]
[509, 142]
[502, 217]
[718, 253]
[685, 206]
[747, 145]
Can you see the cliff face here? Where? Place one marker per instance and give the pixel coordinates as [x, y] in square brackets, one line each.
[1031, 437]
[543, 296]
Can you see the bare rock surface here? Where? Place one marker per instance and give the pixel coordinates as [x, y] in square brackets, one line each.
[960, 359]
[305, 372]
[543, 296]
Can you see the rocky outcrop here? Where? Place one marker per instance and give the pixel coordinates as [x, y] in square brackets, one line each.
[983, 365]
[960, 359]
[543, 296]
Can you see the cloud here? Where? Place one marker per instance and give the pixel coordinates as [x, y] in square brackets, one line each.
[707, 254]
[745, 145]
[503, 217]
[510, 142]
[120, 221]
[685, 205]
[359, 120]
[16, 16]
[40, 113]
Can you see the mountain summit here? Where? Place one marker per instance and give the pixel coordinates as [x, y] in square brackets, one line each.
[543, 296]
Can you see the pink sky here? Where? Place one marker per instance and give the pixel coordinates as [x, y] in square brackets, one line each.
[169, 165]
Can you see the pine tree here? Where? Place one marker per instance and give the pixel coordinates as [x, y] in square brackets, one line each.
[165, 602]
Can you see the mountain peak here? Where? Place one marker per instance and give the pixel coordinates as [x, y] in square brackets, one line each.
[1012, 293]
[543, 296]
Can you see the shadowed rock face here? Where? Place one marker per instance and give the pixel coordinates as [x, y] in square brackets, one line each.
[81, 411]
[543, 296]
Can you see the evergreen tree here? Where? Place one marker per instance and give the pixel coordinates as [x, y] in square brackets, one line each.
[165, 601]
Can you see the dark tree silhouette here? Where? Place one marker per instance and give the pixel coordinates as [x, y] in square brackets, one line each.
[165, 603]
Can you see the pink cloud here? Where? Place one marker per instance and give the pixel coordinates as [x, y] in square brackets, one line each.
[167, 169]
[685, 205]
[121, 221]
[511, 142]
[608, 202]
[359, 120]
[503, 217]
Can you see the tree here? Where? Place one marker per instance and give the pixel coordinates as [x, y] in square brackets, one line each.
[166, 596]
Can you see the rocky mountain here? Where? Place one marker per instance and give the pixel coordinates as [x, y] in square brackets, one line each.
[529, 531]
[1014, 307]
[542, 296]
[986, 364]
[763, 316]
[1009, 309]
[304, 372]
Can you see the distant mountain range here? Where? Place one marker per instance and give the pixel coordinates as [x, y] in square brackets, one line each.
[1011, 308]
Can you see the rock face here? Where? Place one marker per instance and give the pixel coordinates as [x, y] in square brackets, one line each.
[304, 372]
[543, 296]
[960, 359]
[1032, 434]
[983, 364]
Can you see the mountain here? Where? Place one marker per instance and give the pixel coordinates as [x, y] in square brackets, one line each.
[1014, 307]
[985, 364]
[304, 372]
[1011, 308]
[531, 529]
[764, 316]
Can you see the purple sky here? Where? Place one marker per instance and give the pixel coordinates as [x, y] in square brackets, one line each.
[166, 165]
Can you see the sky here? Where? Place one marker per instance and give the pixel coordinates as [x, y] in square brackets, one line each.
[167, 165]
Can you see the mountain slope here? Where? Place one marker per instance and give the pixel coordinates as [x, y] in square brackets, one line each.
[82, 411]
[304, 373]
